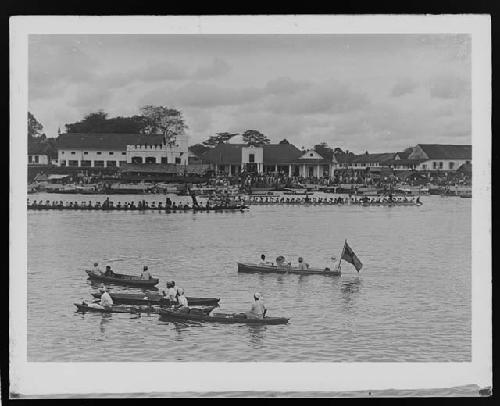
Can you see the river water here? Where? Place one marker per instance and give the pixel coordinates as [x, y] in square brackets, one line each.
[410, 302]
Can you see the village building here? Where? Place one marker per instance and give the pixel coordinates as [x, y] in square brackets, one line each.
[115, 150]
[439, 157]
[286, 159]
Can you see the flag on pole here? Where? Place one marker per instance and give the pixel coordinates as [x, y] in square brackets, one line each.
[348, 255]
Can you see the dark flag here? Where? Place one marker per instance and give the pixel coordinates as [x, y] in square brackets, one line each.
[348, 255]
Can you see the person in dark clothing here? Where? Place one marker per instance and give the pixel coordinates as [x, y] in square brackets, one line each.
[108, 271]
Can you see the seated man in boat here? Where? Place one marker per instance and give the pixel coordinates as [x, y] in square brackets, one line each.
[108, 271]
[263, 260]
[145, 273]
[96, 270]
[182, 300]
[280, 262]
[106, 301]
[258, 310]
[302, 266]
[171, 293]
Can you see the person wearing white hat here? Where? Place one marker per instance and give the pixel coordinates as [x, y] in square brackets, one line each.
[258, 310]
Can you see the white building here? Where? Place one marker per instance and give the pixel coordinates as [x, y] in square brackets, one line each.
[38, 154]
[112, 150]
[437, 157]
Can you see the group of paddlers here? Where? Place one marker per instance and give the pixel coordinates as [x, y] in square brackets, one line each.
[333, 200]
[141, 205]
[172, 294]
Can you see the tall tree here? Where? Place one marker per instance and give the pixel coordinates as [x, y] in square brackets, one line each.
[100, 123]
[198, 149]
[34, 127]
[219, 138]
[163, 120]
[254, 137]
[323, 149]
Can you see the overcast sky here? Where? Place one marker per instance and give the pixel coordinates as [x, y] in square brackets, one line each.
[358, 92]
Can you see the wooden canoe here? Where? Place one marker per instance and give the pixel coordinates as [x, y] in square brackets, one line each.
[255, 268]
[227, 318]
[84, 307]
[122, 279]
[155, 298]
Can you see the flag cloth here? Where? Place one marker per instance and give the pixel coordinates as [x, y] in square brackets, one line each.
[348, 255]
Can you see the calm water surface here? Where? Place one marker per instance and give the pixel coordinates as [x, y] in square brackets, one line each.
[410, 302]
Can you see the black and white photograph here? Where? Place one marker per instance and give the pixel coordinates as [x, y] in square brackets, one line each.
[236, 199]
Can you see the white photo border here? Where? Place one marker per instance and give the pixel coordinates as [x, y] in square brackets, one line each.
[47, 378]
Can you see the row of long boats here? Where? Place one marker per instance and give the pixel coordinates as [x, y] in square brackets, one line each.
[160, 207]
[334, 201]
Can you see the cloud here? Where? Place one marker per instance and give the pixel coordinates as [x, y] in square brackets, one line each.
[285, 85]
[217, 68]
[403, 86]
[448, 87]
[329, 97]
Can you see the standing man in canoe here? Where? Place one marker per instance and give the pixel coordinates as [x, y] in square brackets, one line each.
[258, 310]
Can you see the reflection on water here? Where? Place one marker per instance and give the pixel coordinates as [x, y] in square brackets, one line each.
[413, 305]
[256, 335]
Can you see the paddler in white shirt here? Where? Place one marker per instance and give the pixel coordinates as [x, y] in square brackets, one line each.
[106, 300]
[258, 310]
[181, 299]
[96, 270]
[145, 273]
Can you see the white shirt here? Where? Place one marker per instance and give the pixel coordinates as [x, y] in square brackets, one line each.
[183, 301]
[172, 294]
[145, 275]
[106, 300]
[97, 270]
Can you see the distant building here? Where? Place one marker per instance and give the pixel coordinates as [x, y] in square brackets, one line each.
[114, 150]
[38, 153]
[438, 157]
[287, 159]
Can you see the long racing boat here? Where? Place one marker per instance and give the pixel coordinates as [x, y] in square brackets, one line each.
[122, 279]
[257, 268]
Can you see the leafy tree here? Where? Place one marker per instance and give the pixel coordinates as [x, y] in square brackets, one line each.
[324, 150]
[34, 128]
[100, 123]
[219, 138]
[91, 123]
[199, 149]
[163, 120]
[284, 141]
[254, 137]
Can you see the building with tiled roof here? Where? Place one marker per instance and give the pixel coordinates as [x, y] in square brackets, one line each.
[114, 150]
[269, 158]
[38, 153]
[441, 157]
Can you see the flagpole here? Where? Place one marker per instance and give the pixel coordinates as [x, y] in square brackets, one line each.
[342, 253]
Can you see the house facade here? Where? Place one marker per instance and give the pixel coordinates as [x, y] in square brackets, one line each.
[440, 157]
[38, 154]
[286, 159]
[115, 150]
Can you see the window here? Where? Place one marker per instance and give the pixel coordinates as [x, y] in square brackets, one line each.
[311, 154]
[150, 160]
[72, 163]
[73, 152]
[440, 165]
[111, 152]
[29, 159]
[434, 165]
[99, 163]
[251, 158]
[110, 163]
[36, 159]
[424, 166]
[123, 163]
[85, 153]
[164, 160]
[63, 162]
[62, 152]
[451, 165]
[99, 153]
[177, 160]
[85, 163]
[124, 153]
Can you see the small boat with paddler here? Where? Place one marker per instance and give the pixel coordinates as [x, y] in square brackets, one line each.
[122, 279]
[183, 315]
